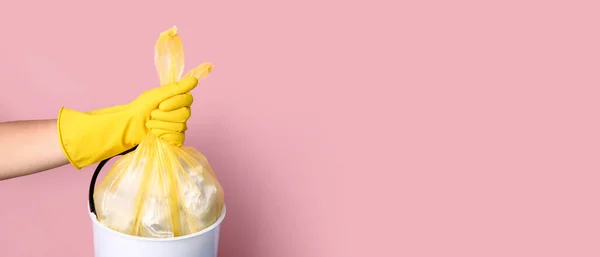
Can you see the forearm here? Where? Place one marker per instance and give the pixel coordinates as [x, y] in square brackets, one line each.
[28, 147]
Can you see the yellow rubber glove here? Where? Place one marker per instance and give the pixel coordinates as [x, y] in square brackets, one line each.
[90, 137]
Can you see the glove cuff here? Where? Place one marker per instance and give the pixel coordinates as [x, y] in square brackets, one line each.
[87, 139]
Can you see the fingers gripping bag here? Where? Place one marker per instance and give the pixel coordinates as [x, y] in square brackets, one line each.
[160, 190]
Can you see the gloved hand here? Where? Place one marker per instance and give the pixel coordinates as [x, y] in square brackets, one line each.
[90, 137]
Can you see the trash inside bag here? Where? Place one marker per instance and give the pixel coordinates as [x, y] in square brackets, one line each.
[160, 190]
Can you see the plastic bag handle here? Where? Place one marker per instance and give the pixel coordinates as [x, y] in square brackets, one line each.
[95, 177]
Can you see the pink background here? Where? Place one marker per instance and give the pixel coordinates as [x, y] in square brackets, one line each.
[337, 128]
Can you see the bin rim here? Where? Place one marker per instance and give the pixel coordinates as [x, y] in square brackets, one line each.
[169, 239]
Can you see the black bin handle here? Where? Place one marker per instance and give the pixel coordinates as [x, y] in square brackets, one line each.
[95, 177]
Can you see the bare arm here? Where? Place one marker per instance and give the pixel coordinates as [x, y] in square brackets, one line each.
[28, 147]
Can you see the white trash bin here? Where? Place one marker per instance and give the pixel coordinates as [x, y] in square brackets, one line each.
[111, 243]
